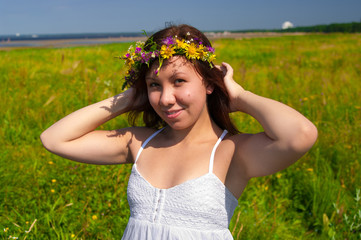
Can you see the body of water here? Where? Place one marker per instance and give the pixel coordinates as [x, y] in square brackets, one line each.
[34, 40]
[27, 37]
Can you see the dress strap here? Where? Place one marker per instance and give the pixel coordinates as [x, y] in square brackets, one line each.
[214, 150]
[146, 142]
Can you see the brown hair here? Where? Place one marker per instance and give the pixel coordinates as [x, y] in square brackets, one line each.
[218, 102]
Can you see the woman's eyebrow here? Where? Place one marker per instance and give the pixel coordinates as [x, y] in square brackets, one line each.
[150, 79]
[176, 73]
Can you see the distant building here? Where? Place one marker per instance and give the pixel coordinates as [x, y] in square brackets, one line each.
[287, 24]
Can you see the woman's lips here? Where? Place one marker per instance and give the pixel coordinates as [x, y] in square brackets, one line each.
[173, 114]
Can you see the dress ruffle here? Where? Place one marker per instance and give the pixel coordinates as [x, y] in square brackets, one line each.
[142, 230]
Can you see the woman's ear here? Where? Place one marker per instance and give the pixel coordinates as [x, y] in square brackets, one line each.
[209, 89]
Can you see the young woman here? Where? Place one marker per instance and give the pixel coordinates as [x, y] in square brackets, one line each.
[190, 164]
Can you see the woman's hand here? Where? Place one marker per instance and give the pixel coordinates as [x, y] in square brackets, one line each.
[235, 91]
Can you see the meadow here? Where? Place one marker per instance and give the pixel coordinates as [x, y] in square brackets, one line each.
[43, 196]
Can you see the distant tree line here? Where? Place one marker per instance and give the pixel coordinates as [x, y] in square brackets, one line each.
[353, 27]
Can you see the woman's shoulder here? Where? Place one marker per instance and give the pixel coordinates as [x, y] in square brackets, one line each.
[239, 143]
[141, 133]
[239, 138]
[137, 135]
[231, 144]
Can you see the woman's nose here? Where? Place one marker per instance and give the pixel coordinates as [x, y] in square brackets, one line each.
[167, 97]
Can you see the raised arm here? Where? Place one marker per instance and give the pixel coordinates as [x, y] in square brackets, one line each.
[287, 135]
[74, 137]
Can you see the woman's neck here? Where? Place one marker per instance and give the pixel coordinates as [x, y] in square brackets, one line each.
[206, 129]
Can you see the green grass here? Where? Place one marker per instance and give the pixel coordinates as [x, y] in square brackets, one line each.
[318, 75]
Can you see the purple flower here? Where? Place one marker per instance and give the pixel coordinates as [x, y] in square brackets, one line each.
[155, 54]
[210, 49]
[138, 50]
[148, 56]
[168, 41]
[127, 55]
[145, 57]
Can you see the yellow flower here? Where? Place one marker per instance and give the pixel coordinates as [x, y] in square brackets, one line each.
[50, 162]
[192, 51]
[53, 180]
[278, 175]
[201, 52]
[6, 229]
[129, 62]
[357, 107]
[94, 217]
[181, 44]
[167, 52]
[348, 146]
[52, 190]
[72, 236]
[310, 169]
[266, 188]
[212, 57]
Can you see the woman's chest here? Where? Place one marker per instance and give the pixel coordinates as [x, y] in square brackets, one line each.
[167, 167]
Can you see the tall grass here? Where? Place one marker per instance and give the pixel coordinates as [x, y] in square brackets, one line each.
[43, 196]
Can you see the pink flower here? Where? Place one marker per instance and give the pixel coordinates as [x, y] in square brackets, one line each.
[138, 50]
[168, 41]
[210, 49]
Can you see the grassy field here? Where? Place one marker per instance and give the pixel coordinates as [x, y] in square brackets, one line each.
[43, 196]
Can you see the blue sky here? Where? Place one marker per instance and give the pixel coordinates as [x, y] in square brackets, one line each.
[92, 16]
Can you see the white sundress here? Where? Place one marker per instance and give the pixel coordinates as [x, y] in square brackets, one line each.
[200, 208]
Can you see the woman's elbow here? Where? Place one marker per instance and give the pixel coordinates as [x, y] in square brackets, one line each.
[306, 138]
[46, 140]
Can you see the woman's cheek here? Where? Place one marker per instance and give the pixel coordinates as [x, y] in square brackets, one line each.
[185, 95]
[152, 99]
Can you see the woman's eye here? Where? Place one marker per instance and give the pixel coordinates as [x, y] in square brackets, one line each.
[179, 81]
[153, 84]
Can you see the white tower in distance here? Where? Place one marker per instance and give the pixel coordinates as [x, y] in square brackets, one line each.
[287, 24]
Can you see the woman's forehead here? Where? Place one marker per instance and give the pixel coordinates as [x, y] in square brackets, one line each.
[174, 64]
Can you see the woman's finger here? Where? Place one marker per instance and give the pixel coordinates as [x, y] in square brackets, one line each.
[228, 70]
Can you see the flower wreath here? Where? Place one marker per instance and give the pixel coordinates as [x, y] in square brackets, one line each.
[137, 56]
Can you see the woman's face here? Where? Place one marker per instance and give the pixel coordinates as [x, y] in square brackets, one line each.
[178, 94]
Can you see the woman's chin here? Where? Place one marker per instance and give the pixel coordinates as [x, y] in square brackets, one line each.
[177, 126]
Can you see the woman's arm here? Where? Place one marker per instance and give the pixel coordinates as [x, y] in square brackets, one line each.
[74, 137]
[287, 134]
